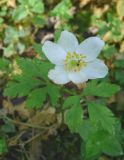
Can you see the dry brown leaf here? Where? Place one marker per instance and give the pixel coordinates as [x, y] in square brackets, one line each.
[45, 117]
[120, 101]
[81, 85]
[112, 99]
[11, 3]
[122, 47]
[120, 8]
[23, 112]
[99, 11]
[104, 158]
[21, 109]
[107, 36]
[8, 107]
[84, 3]
[16, 69]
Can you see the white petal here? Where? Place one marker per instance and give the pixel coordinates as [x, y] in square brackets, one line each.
[68, 41]
[77, 77]
[54, 52]
[96, 69]
[91, 48]
[58, 75]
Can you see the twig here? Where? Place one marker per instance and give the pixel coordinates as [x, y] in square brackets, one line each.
[32, 139]
[22, 123]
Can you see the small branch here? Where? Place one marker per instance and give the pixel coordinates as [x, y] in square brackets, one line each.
[32, 139]
[22, 123]
[26, 124]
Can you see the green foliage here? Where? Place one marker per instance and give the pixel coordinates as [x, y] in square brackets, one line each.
[27, 8]
[102, 89]
[38, 48]
[21, 87]
[101, 142]
[109, 51]
[119, 72]
[12, 39]
[109, 27]
[32, 84]
[3, 12]
[3, 146]
[24, 24]
[5, 65]
[116, 33]
[12, 34]
[71, 101]
[74, 115]
[63, 9]
[98, 132]
[100, 114]
[119, 63]
[8, 128]
[37, 97]
[119, 75]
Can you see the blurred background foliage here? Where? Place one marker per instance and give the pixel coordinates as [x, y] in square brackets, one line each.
[24, 26]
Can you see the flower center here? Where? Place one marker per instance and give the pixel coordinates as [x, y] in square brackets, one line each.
[74, 62]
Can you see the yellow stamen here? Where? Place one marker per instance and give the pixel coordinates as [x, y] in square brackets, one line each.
[74, 62]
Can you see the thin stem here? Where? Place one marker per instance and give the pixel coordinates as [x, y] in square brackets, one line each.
[22, 123]
[69, 91]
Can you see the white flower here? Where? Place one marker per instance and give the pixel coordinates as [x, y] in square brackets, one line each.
[75, 62]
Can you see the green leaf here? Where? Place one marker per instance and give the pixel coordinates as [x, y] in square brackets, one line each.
[9, 51]
[86, 129]
[1, 20]
[4, 64]
[23, 2]
[32, 82]
[34, 68]
[39, 21]
[3, 146]
[38, 48]
[74, 117]
[100, 114]
[19, 13]
[71, 101]
[8, 128]
[11, 35]
[62, 9]
[38, 7]
[99, 141]
[20, 88]
[53, 92]
[37, 98]
[102, 89]
[102, 142]
[109, 51]
[112, 146]
[119, 76]
[25, 64]
[119, 63]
